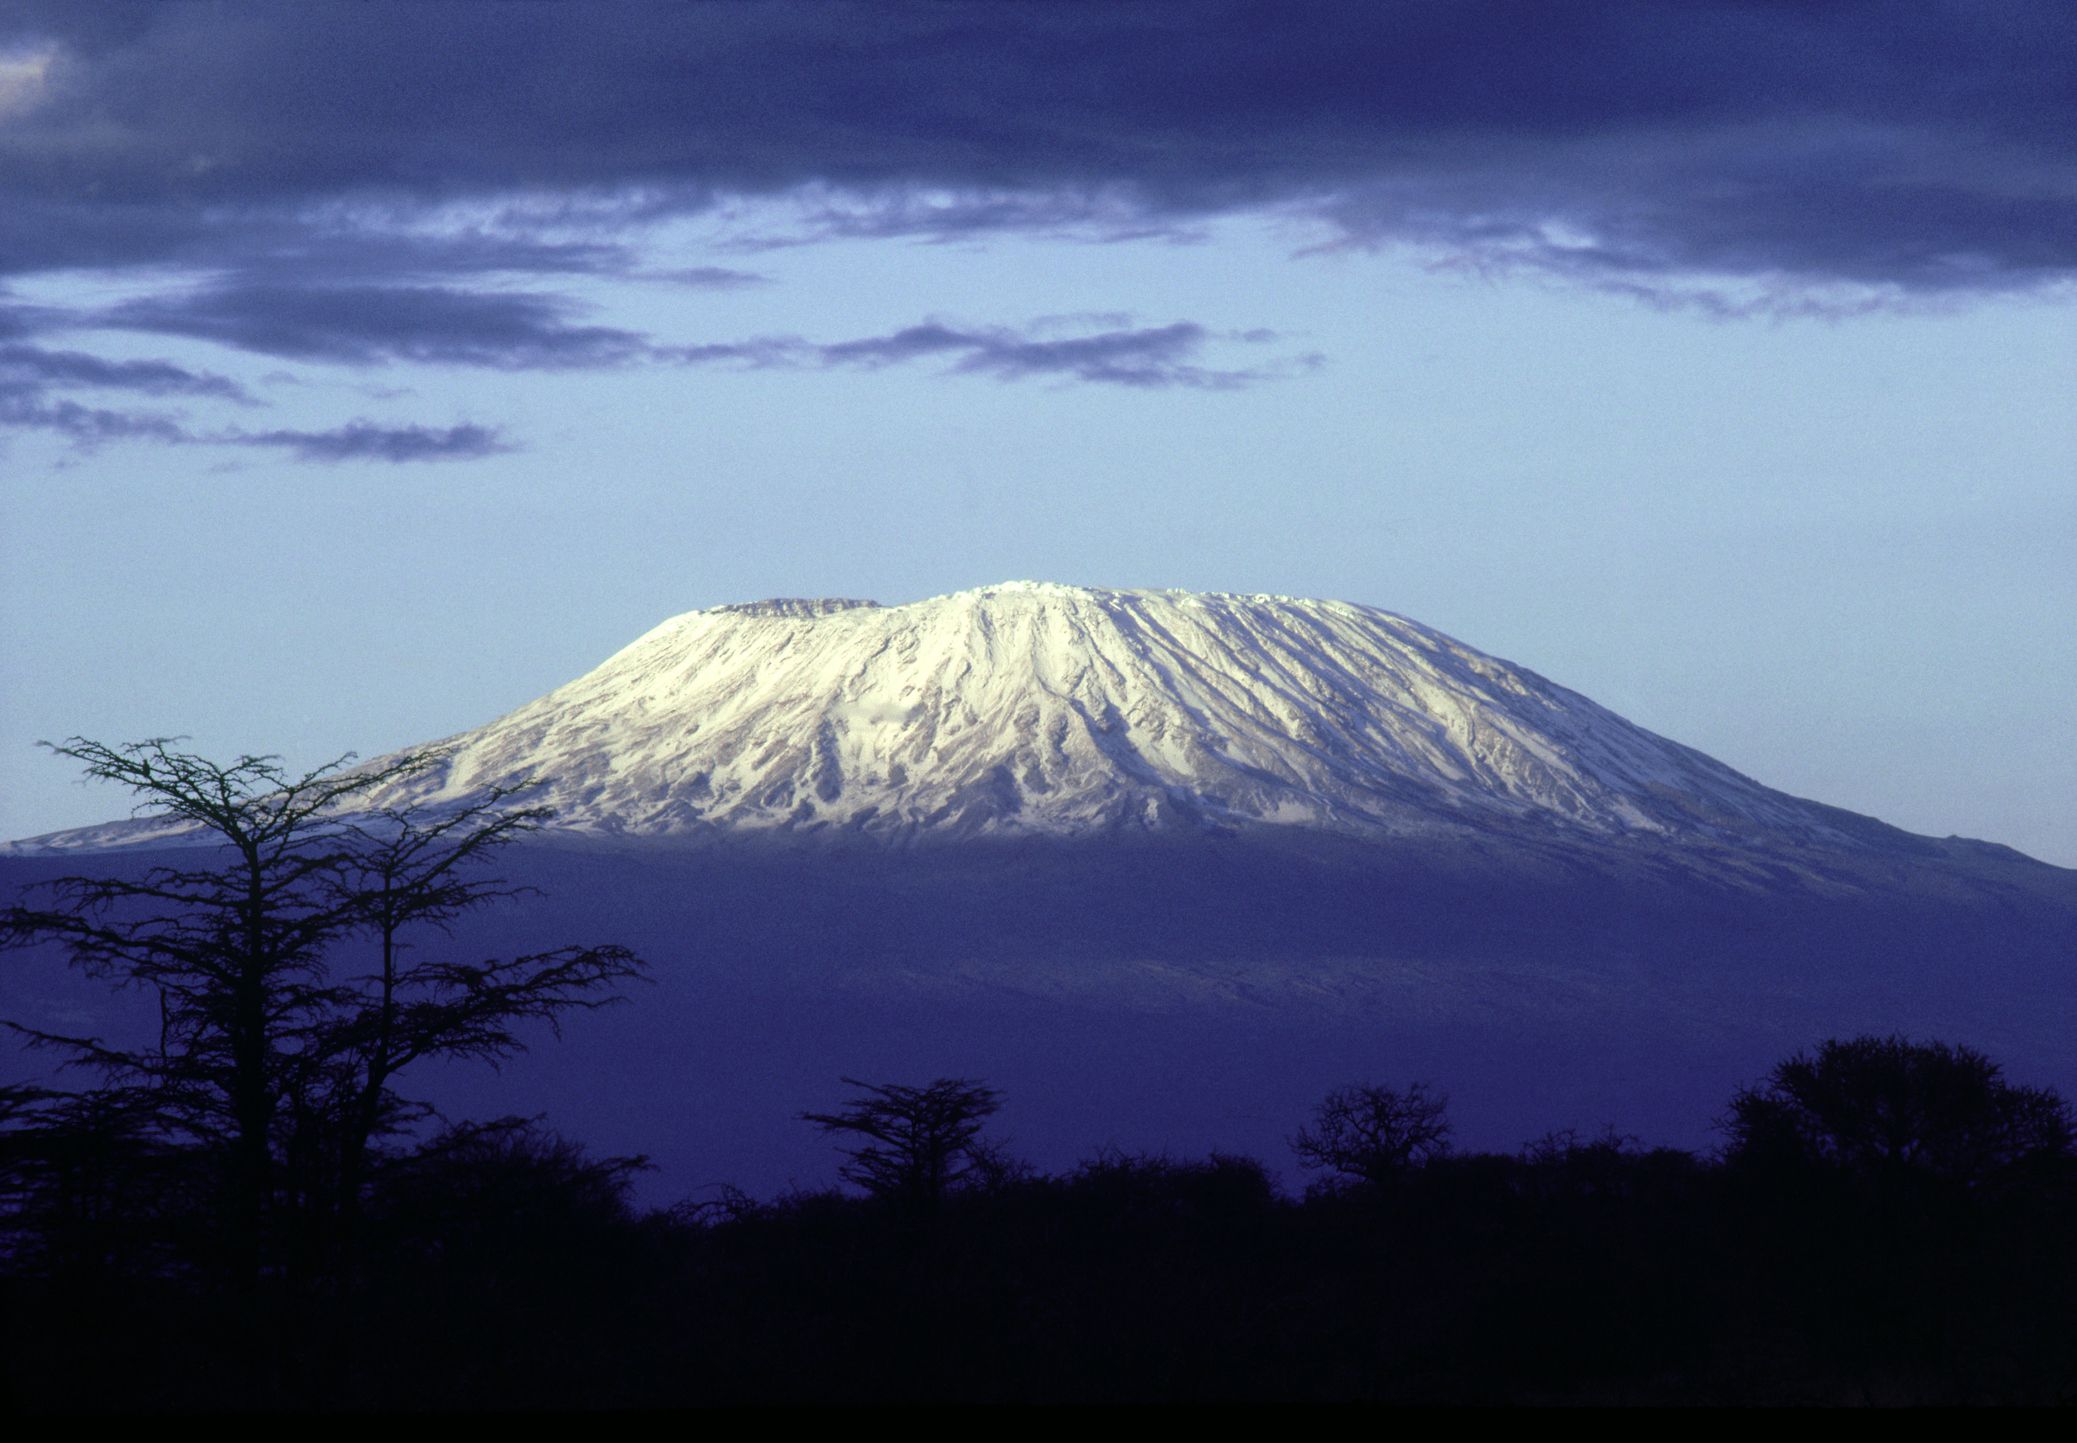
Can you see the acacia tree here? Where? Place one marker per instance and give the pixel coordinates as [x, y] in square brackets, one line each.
[272, 1053]
[918, 1143]
[401, 872]
[1374, 1134]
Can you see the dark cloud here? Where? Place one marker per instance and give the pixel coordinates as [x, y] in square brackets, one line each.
[29, 407]
[708, 278]
[1160, 356]
[361, 325]
[386, 181]
[1152, 357]
[1147, 357]
[16, 322]
[760, 353]
[34, 408]
[365, 324]
[35, 382]
[1923, 148]
[34, 366]
[369, 324]
[366, 441]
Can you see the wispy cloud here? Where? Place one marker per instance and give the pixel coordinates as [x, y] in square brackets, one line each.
[706, 278]
[360, 326]
[367, 441]
[372, 324]
[35, 409]
[36, 386]
[34, 382]
[1150, 357]
[34, 366]
[369, 325]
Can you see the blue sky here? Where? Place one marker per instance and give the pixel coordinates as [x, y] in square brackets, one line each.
[366, 371]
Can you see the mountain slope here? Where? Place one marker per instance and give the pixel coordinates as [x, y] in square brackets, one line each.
[1036, 709]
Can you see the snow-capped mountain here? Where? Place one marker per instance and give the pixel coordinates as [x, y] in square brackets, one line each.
[1032, 708]
[1252, 847]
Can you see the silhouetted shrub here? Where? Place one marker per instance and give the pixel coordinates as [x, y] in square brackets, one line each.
[1374, 1134]
[1886, 1105]
[506, 1268]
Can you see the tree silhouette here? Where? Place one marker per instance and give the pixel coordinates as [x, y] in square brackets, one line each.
[917, 1142]
[88, 1192]
[1887, 1105]
[273, 1055]
[475, 1196]
[1374, 1134]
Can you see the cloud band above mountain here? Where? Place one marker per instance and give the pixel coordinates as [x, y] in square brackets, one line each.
[1924, 146]
[361, 183]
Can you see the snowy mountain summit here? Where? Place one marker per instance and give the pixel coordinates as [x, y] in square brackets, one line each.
[1037, 709]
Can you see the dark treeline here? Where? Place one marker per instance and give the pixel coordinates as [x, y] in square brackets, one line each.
[247, 1211]
[1888, 1222]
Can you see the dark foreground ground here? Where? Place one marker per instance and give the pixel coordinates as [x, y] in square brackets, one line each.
[513, 1275]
